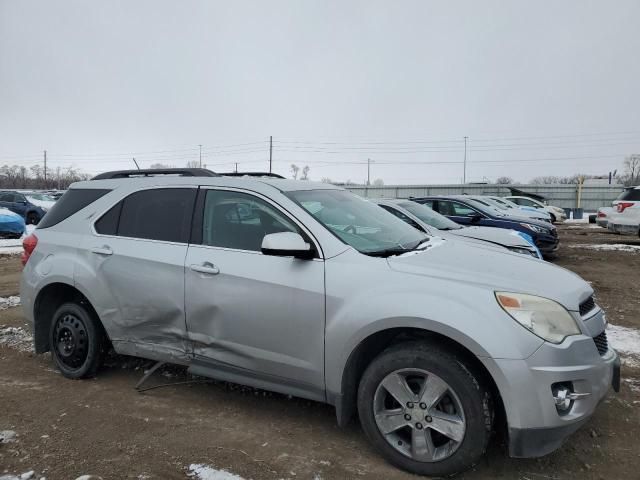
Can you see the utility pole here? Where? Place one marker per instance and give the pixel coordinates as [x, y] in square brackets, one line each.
[236, 167]
[368, 172]
[45, 169]
[200, 155]
[270, 152]
[134, 161]
[464, 169]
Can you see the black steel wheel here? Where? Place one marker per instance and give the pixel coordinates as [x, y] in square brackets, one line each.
[32, 218]
[77, 341]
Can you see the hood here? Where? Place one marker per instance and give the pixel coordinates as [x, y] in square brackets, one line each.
[501, 236]
[493, 269]
[533, 221]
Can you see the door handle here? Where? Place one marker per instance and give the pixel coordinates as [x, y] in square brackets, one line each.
[206, 268]
[102, 250]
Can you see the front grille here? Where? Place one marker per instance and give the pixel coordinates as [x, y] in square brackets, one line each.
[586, 306]
[601, 343]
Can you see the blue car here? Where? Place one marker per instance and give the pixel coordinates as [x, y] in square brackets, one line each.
[11, 224]
[466, 211]
[32, 210]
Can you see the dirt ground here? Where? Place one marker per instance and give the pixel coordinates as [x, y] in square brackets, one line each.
[103, 427]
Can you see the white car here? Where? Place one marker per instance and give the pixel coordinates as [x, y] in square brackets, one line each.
[603, 216]
[557, 213]
[517, 210]
[630, 197]
[626, 222]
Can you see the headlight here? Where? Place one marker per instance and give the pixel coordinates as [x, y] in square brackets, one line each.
[534, 228]
[545, 318]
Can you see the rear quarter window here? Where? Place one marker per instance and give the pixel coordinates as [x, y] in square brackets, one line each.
[632, 194]
[71, 202]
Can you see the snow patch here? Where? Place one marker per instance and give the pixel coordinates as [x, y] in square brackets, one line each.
[623, 339]
[7, 302]
[205, 472]
[7, 436]
[608, 247]
[16, 337]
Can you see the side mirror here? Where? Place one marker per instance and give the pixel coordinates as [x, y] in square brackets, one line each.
[286, 244]
[476, 218]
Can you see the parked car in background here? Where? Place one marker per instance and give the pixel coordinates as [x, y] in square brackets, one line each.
[11, 224]
[425, 219]
[602, 217]
[626, 222]
[30, 208]
[465, 211]
[44, 200]
[558, 215]
[630, 197]
[515, 212]
[320, 294]
[509, 205]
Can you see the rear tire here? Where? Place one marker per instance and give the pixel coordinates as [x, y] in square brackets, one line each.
[77, 341]
[32, 218]
[408, 432]
[553, 217]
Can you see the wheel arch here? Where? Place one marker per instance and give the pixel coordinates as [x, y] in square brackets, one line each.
[374, 344]
[47, 301]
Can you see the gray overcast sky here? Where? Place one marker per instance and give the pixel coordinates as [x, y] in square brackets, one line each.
[544, 87]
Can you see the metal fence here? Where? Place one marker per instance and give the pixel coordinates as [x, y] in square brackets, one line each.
[564, 196]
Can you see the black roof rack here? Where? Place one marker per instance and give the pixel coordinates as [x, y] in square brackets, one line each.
[251, 174]
[150, 172]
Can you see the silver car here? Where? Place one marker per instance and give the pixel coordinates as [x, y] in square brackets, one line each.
[306, 289]
[425, 219]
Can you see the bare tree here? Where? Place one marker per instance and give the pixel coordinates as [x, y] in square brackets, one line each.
[378, 182]
[294, 171]
[15, 176]
[504, 180]
[193, 164]
[631, 170]
[160, 165]
[326, 180]
[305, 173]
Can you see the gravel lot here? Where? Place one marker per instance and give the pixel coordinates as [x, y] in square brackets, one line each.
[62, 429]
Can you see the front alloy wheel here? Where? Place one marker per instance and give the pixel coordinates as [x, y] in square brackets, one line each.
[419, 415]
[424, 409]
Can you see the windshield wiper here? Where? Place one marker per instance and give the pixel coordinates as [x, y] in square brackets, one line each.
[398, 250]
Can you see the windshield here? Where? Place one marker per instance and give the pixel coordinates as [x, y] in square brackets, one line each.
[359, 223]
[485, 207]
[430, 217]
[505, 202]
[494, 203]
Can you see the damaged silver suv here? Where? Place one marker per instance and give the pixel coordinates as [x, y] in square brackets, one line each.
[306, 289]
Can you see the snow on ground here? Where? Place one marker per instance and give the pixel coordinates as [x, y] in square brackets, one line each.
[7, 302]
[205, 472]
[625, 341]
[584, 219]
[7, 436]
[13, 246]
[16, 337]
[608, 247]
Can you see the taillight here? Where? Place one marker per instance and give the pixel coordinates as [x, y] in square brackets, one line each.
[601, 214]
[29, 245]
[623, 205]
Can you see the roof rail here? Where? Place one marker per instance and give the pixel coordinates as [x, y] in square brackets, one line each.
[251, 174]
[150, 172]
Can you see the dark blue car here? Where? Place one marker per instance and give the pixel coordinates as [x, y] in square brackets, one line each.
[466, 211]
[19, 203]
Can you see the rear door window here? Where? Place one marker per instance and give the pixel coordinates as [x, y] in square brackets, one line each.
[158, 214]
[71, 202]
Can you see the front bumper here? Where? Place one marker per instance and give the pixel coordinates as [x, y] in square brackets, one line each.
[535, 426]
[547, 243]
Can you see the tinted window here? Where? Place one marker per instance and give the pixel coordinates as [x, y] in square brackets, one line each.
[240, 221]
[71, 202]
[6, 197]
[158, 214]
[108, 223]
[455, 209]
[402, 217]
[632, 194]
[430, 217]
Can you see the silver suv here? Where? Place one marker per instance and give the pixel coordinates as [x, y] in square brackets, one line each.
[306, 289]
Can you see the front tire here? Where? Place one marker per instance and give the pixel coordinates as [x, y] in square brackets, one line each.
[424, 410]
[32, 218]
[77, 341]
